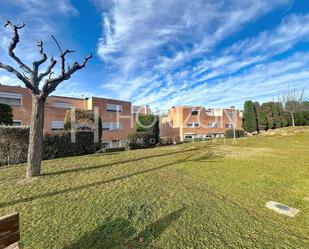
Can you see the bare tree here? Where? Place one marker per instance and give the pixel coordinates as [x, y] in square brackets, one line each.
[291, 101]
[31, 77]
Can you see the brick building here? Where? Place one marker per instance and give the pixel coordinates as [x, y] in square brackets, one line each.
[190, 122]
[118, 117]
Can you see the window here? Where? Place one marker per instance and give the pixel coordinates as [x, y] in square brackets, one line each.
[229, 125]
[113, 108]
[62, 105]
[10, 98]
[210, 112]
[17, 122]
[193, 125]
[57, 125]
[231, 114]
[194, 113]
[213, 125]
[111, 126]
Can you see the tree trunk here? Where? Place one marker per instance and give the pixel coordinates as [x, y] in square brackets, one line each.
[293, 120]
[36, 137]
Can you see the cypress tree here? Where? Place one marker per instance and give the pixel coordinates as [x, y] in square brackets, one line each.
[276, 113]
[262, 118]
[267, 107]
[257, 110]
[249, 117]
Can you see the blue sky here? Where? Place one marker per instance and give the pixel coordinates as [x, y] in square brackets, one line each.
[214, 53]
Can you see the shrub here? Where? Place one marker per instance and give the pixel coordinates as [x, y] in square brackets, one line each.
[140, 140]
[149, 123]
[84, 119]
[169, 140]
[249, 117]
[58, 144]
[238, 133]
[6, 114]
[13, 144]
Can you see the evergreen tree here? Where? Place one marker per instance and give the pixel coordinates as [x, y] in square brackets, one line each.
[275, 114]
[149, 123]
[257, 110]
[300, 119]
[266, 118]
[249, 117]
[263, 125]
[6, 114]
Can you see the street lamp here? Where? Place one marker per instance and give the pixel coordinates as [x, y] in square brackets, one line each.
[234, 114]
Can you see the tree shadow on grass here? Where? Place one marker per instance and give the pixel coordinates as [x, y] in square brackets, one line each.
[74, 170]
[208, 156]
[120, 233]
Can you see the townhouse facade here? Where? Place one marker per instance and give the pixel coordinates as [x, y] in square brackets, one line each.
[196, 122]
[118, 117]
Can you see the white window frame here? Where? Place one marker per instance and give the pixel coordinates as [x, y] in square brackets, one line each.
[193, 125]
[198, 112]
[17, 121]
[58, 127]
[63, 105]
[113, 108]
[112, 126]
[213, 125]
[17, 96]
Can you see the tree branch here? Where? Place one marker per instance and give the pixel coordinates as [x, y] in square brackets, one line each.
[48, 71]
[18, 75]
[62, 56]
[36, 64]
[13, 44]
[51, 84]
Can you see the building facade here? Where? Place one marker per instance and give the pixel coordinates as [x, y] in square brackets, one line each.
[199, 122]
[118, 117]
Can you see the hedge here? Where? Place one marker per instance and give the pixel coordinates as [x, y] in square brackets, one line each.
[14, 144]
[148, 123]
[169, 140]
[140, 140]
[58, 144]
[238, 133]
[84, 118]
[6, 114]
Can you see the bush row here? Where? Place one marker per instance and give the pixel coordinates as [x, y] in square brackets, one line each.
[141, 140]
[14, 144]
[238, 133]
[169, 140]
[58, 144]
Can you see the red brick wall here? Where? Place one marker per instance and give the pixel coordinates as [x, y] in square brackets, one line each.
[23, 112]
[180, 116]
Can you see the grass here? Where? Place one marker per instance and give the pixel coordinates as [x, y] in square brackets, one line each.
[197, 195]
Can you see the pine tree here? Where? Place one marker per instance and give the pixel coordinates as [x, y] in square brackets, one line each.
[249, 117]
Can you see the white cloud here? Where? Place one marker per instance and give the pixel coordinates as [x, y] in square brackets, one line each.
[148, 39]
[45, 8]
[9, 80]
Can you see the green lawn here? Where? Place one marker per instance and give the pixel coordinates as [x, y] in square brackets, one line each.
[197, 195]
